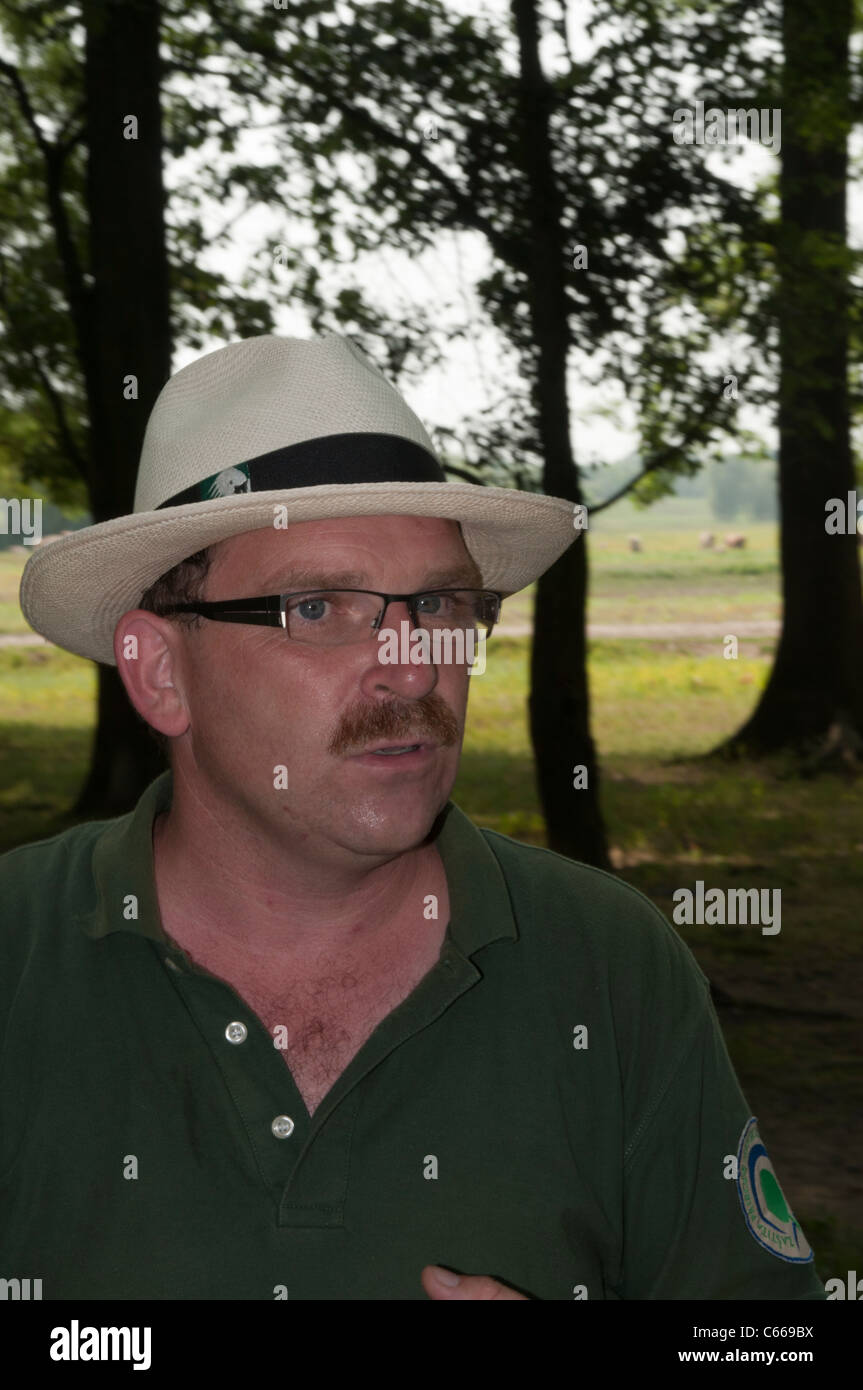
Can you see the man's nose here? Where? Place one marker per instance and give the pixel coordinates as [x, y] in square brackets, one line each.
[390, 667]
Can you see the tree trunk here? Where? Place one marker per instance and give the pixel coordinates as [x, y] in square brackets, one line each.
[559, 700]
[817, 677]
[128, 331]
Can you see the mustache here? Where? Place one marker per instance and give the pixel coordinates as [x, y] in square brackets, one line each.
[429, 718]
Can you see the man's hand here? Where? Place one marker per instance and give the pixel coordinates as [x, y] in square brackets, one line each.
[442, 1283]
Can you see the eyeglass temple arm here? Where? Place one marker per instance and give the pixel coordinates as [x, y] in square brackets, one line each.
[269, 614]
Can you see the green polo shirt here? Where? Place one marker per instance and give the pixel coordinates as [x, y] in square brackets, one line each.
[552, 1105]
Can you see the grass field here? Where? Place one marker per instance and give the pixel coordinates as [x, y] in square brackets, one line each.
[792, 1021]
[672, 581]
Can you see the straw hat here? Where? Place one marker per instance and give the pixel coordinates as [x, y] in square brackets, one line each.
[308, 423]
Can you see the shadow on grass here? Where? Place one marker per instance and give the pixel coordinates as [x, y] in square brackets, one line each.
[498, 791]
[41, 772]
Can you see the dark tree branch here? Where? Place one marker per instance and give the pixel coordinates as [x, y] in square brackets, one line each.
[75, 135]
[54, 156]
[463, 473]
[13, 77]
[658, 460]
[503, 246]
[53, 397]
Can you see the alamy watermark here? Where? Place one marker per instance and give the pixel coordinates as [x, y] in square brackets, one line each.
[850, 1287]
[17, 518]
[20, 1290]
[844, 515]
[695, 126]
[440, 646]
[77, 1343]
[732, 906]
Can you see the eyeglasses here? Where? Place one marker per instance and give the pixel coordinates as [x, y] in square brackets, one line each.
[333, 617]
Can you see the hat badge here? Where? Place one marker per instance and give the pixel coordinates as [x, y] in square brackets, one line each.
[229, 481]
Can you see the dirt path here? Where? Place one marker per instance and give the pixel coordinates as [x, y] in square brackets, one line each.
[659, 632]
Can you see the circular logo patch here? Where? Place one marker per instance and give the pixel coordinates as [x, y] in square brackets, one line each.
[768, 1215]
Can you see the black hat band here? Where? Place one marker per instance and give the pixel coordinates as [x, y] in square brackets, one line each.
[334, 458]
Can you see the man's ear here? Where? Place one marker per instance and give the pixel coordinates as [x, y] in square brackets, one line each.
[147, 652]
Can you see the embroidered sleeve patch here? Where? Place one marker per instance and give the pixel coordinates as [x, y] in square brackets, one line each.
[765, 1208]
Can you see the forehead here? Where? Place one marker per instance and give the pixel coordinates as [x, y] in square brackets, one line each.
[357, 549]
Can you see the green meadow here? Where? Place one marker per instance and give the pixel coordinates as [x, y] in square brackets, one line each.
[789, 1004]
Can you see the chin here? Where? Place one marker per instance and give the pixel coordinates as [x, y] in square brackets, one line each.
[375, 827]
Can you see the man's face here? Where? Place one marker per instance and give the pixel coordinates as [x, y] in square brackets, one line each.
[258, 702]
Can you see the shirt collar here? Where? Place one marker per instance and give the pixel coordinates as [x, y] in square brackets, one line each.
[126, 898]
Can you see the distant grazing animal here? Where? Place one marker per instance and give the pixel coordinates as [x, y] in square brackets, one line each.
[634, 543]
[706, 540]
[736, 541]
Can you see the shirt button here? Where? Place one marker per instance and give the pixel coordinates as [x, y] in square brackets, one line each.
[236, 1032]
[282, 1126]
[172, 964]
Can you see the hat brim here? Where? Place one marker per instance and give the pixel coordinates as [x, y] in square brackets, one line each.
[75, 590]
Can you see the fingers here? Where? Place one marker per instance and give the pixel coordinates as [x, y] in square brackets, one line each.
[443, 1284]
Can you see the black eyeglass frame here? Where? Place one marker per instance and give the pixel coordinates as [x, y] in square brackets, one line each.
[269, 610]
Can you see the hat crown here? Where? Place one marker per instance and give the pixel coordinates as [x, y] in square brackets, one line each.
[259, 395]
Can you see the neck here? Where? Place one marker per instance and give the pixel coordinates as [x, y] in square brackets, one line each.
[227, 895]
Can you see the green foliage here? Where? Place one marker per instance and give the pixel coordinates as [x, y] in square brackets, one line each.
[398, 124]
[45, 278]
[403, 124]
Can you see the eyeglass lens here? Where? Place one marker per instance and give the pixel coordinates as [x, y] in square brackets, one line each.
[331, 617]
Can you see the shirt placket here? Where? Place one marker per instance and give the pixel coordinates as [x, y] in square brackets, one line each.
[303, 1160]
[272, 1112]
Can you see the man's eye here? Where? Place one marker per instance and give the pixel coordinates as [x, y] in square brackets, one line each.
[310, 609]
[429, 603]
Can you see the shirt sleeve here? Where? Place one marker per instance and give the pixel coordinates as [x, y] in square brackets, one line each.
[704, 1214]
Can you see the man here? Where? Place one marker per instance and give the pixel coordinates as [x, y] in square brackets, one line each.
[295, 1028]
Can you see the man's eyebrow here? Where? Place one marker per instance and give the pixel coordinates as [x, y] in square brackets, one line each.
[350, 579]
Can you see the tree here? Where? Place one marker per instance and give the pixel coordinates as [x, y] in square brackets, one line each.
[122, 321]
[559, 699]
[84, 290]
[817, 677]
[117, 299]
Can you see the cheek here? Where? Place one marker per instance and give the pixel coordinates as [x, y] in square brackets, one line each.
[228, 686]
[280, 700]
[454, 687]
